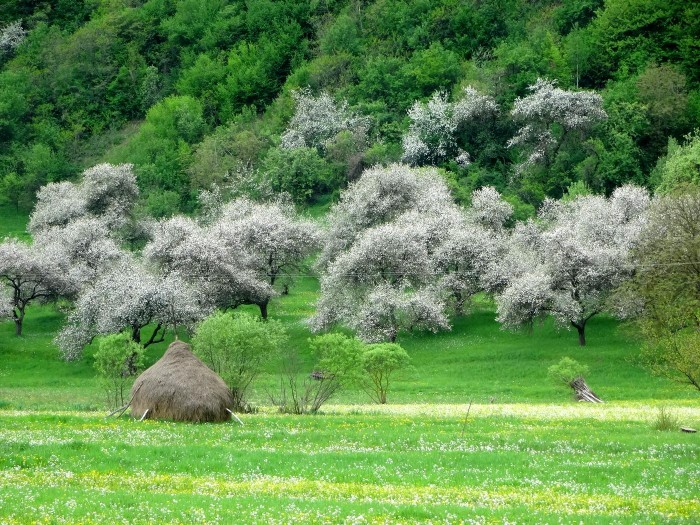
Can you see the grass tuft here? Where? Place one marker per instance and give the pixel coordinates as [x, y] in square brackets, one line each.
[666, 421]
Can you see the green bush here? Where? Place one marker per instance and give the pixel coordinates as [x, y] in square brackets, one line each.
[300, 172]
[567, 370]
[379, 364]
[337, 365]
[117, 360]
[237, 346]
[666, 420]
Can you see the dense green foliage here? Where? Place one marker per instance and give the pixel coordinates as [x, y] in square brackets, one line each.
[566, 370]
[168, 85]
[237, 347]
[117, 360]
[380, 362]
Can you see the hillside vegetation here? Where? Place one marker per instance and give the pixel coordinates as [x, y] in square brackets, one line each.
[196, 92]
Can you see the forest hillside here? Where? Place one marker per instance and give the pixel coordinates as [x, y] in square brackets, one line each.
[200, 92]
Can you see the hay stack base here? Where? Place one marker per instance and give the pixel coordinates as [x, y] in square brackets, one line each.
[180, 387]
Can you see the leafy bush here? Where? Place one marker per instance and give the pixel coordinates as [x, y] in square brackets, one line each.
[338, 359]
[117, 360]
[379, 363]
[567, 370]
[236, 346]
[300, 172]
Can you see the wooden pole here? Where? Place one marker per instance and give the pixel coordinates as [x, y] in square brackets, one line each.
[234, 416]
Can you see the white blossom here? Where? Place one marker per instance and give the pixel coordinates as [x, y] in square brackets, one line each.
[57, 203]
[29, 273]
[5, 306]
[381, 195]
[105, 191]
[200, 255]
[318, 119]
[431, 137]
[129, 297]
[568, 262]
[84, 247]
[546, 106]
[110, 192]
[274, 237]
[382, 285]
[380, 273]
[11, 36]
[489, 209]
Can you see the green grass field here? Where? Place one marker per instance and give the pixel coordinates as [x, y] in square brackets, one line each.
[406, 464]
[527, 453]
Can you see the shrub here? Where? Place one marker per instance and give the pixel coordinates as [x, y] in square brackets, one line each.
[117, 360]
[567, 370]
[666, 420]
[236, 346]
[300, 172]
[337, 365]
[379, 362]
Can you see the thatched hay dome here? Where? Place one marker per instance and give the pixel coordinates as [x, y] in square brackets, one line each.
[180, 387]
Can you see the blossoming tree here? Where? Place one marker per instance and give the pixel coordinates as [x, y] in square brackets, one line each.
[567, 263]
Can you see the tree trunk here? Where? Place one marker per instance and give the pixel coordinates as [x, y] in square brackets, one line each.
[18, 314]
[581, 329]
[263, 309]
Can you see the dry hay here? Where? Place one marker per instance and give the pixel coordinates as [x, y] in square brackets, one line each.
[180, 387]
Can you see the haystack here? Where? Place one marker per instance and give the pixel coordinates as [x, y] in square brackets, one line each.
[180, 387]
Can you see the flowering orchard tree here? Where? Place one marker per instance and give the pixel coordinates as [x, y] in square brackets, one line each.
[432, 136]
[489, 210]
[105, 191]
[568, 263]
[11, 36]
[29, 273]
[57, 203]
[378, 197]
[274, 238]
[83, 247]
[382, 285]
[663, 298]
[222, 273]
[473, 247]
[318, 119]
[110, 192]
[550, 115]
[129, 297]
[378, 265]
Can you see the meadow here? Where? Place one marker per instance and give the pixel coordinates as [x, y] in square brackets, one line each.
[401, 464]
[524, 452]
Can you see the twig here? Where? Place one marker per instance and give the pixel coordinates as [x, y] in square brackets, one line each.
[234, 416]
[464, 427]
[118, 409]
[123, 409]
[144, 414]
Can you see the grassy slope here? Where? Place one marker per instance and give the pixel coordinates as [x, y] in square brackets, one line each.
[13, 223]
[475, 361]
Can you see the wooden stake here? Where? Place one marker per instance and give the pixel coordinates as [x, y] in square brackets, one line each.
[118, 409]
[144, 414]
[464, 427]
[234, 416]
